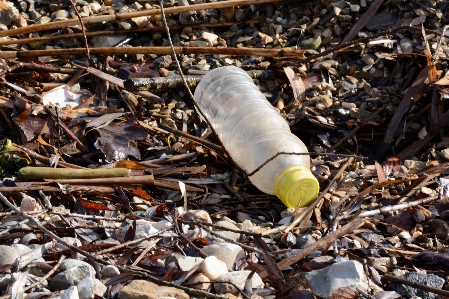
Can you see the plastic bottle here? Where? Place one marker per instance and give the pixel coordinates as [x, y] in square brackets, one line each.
[252, 132]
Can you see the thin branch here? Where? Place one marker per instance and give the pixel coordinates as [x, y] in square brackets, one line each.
[355, 223]
[285, 52]
[130, 15]
[193, 292]
[83, 28]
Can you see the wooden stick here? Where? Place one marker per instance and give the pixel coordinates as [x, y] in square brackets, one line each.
[139, 179]
[285, 52]
[39, 173]
[44, 39]
[318, 244]
[125, 16]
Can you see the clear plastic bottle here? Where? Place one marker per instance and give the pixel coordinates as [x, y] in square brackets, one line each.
[252, 132]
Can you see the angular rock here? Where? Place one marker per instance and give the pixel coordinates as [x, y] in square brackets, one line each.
[346, 274]
[142, 289]
[423, 279]
[110, 271]
[9, 16]
[70, 293]
[200, 281]
[311, 43]
[224, 233]
[238, 278]
[185, 263]
[213, 268]
[382, 21]
[225, 252]
[90, 288]
[73, 271]
[8, 255]
[107, 40]
[210, 37]
[197, 215]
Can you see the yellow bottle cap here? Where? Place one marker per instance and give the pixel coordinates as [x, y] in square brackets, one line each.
[296, 185]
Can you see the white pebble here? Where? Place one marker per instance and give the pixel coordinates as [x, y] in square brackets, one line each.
[213, 268]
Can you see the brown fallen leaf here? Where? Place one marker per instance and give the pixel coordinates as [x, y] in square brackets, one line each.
[93, 206]
[298, 86]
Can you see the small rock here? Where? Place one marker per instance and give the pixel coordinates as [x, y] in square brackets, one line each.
[21, 249]
[110, 271]
[8, 255]
[225, 252]
[439, 228]
[70, 241]
[143, 289]
[185, 263]
[61, 14]
[264, 64]
[382, 21]
[417, 21]
[369, 236]
[197, 215]
[213, 267]
[367, 59]
[200, 281]
[302, 241]
[90, 288]
[210, 37]
[445, 153]
[348, 105]
[9, 15]
[29, 204]
[72, 272]
[406, 45]
[199, 43]
[237, 278]
[107, 40]
[70, 293]
[348, 274]
[311, 43]
[422, 279]
[226, 234]
[125, 25]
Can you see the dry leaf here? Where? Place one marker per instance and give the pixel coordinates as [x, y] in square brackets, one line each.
[298, 86]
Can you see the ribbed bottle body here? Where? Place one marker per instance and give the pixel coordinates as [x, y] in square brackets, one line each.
[249, 127]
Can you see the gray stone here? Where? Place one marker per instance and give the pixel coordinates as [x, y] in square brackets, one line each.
[72, 272]
[21, 249]
[382, 21]
[90, 288]
[423, 279]
[197, 215]
[406, 45]
[311, 43]
[369, 236]
[225, 252]
[185, 263]
[107, 41]
[70, 241]
[302, 241]
[110, 271]
[142, 289]
[70, 293]
[8, 255]
[226, 234]
[348, 274]
[237, 278]
[27, 238]
[9, 16]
